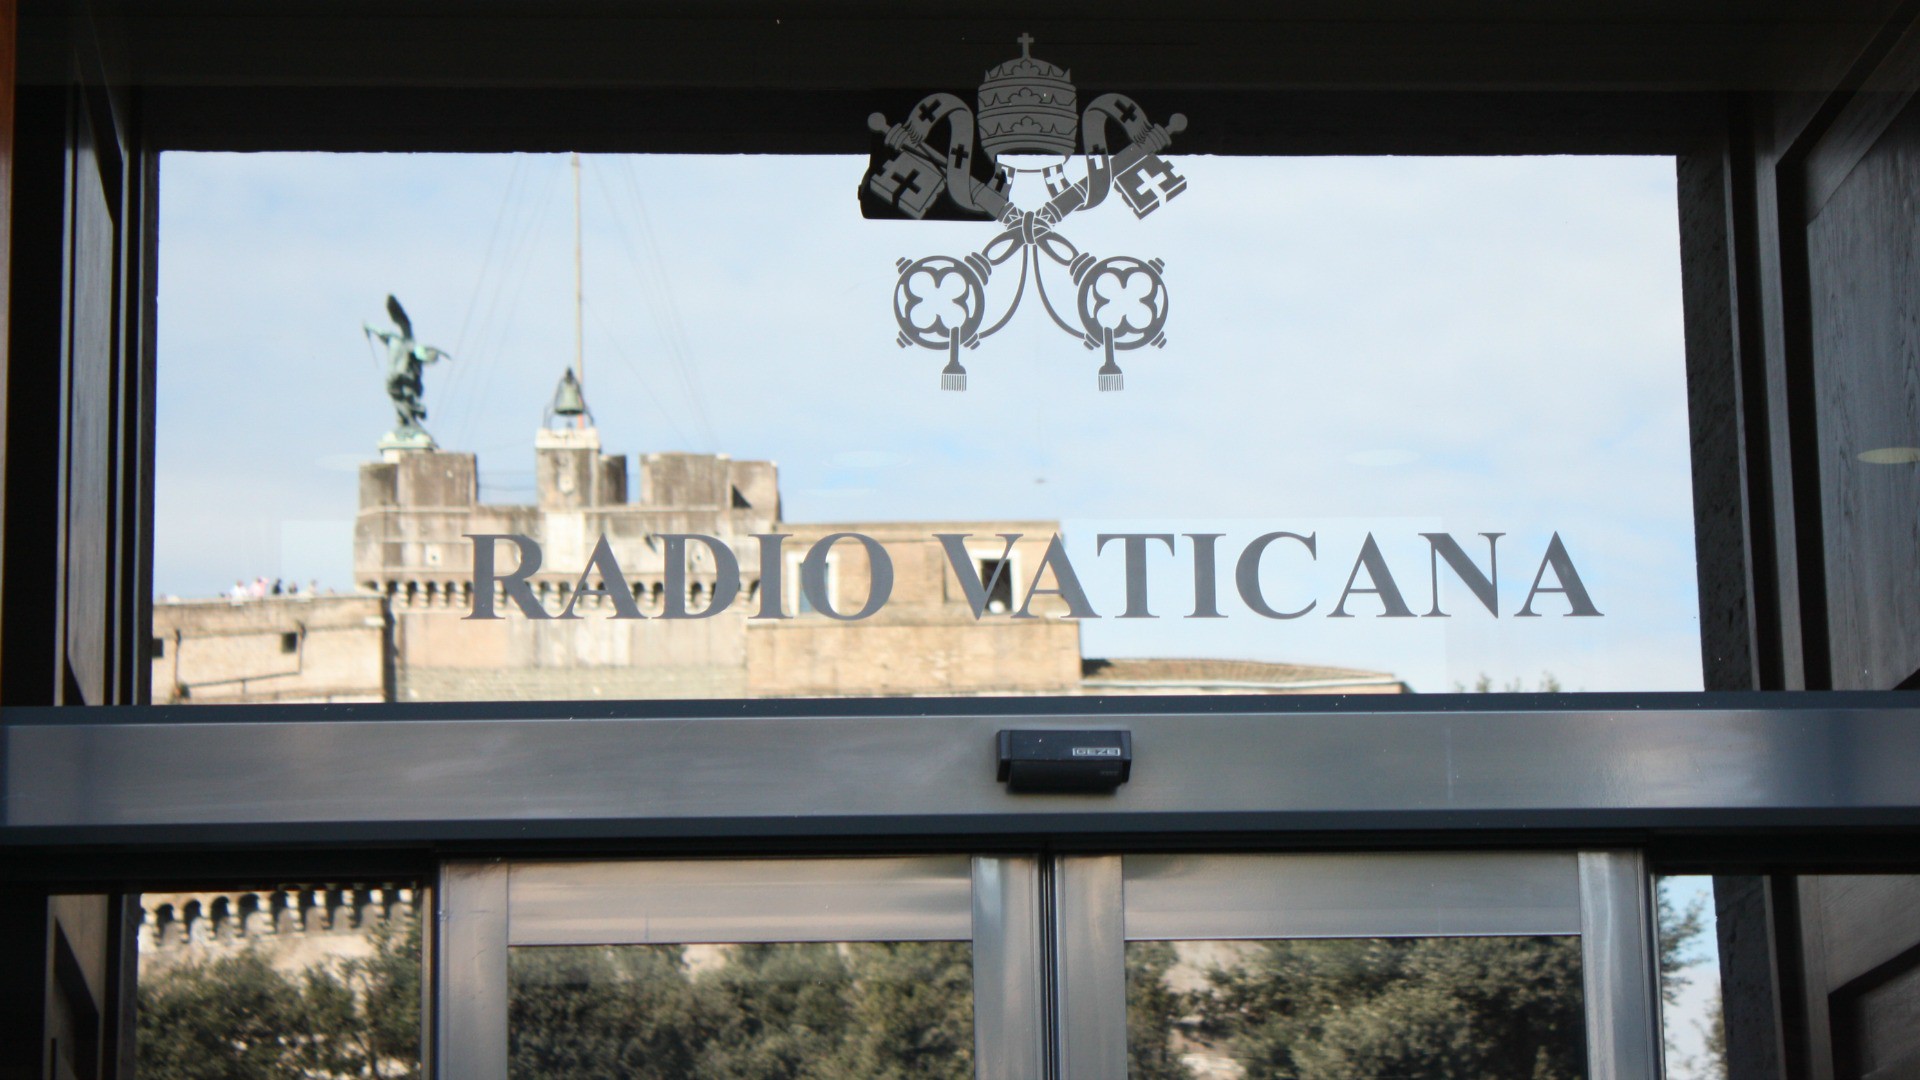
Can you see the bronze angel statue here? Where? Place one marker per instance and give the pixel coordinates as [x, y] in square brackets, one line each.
[406, 358]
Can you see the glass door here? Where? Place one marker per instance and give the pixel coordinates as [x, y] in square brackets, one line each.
[1356, 966]
[1532, 966]
[847, 968]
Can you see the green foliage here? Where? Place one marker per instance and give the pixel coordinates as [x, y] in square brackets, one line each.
[911, 1012]
[1154, 1012]
[1441, 1008]
[1715, 1031]
[774, 1012]
[238, 1018]
[1680, 931]
[601, 1014]
[1446, 1008]
[868, 1011]
[230, 1019]
[877, 1011]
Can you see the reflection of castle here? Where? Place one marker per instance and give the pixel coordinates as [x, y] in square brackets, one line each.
[406, 637]
[295, 926]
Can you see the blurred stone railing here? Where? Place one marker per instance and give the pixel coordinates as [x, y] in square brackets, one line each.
[178, 920]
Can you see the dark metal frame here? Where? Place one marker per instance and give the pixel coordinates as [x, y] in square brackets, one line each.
[228, 75]
[129, 798]
[1458, 769]
[485, 908]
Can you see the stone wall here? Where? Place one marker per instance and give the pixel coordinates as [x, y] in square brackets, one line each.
[926, 640]
[421, 683]
[413, 547]
[280, 649]
[414, 560]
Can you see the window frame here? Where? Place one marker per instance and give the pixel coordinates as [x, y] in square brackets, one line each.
[306, 79]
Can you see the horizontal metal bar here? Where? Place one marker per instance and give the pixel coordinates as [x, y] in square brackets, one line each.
[910, 768]
[1329, 895]
[647, 902]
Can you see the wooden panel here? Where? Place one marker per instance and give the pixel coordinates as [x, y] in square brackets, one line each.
[1860, 936]
[1877, 1031]
[1745, 930]
[91, 331]
[1866, 920]
[34, 379]
[1885, 93]
[1714, 408]
[8, 21]
[23, 981]
[1864, 308]
[78, 987]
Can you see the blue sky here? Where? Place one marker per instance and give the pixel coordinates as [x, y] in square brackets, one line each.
[1381, 345]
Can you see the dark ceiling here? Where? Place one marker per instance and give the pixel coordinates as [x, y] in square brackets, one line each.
[1297, 76]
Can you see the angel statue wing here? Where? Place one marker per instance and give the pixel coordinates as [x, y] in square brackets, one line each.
[399, 316]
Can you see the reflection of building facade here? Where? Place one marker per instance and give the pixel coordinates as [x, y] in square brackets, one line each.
[282, 649]
[407, 636]
[294, 927]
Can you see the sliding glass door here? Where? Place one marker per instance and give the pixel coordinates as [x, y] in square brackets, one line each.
[1155, 966]
[882, 967]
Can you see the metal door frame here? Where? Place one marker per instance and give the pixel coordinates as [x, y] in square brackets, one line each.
[892, 771]
[1605, 897]
[486, 907]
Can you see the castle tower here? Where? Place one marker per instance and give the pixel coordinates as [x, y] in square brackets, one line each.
[570, 473]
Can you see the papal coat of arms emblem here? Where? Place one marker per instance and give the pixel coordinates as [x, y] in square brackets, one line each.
[947, 160]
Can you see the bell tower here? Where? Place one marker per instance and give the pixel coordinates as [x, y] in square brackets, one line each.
[570, 472]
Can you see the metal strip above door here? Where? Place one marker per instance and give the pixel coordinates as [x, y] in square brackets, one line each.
[641, 771]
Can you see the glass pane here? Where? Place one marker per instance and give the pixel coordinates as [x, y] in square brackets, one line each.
[1413, 424]
[849, 1010]
[1691, 1021]
[1485, 1008]
[297, 983]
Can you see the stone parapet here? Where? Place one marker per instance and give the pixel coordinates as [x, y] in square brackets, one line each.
[294, 925]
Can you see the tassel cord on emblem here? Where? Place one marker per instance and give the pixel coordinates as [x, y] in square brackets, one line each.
[953, 376]
[1040, 286]
[1111, 377]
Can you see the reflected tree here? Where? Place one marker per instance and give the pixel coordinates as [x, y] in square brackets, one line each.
[1683, 928]
[774, 1012]
[234, 1018]
[780, 1011]
[911, 1012]
[601, 1014]
[238, 1017]
[1155, 1011]
[1443, 1008]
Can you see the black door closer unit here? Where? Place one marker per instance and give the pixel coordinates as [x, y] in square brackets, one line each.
[1065, 760]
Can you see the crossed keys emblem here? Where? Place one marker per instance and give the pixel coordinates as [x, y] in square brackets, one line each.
[1026, 106]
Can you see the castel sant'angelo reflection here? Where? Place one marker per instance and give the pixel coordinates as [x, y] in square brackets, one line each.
[678, 578]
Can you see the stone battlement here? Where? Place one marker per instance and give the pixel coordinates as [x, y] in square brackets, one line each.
[181, 922]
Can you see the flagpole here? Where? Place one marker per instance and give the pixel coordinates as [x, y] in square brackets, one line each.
[579, 296]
